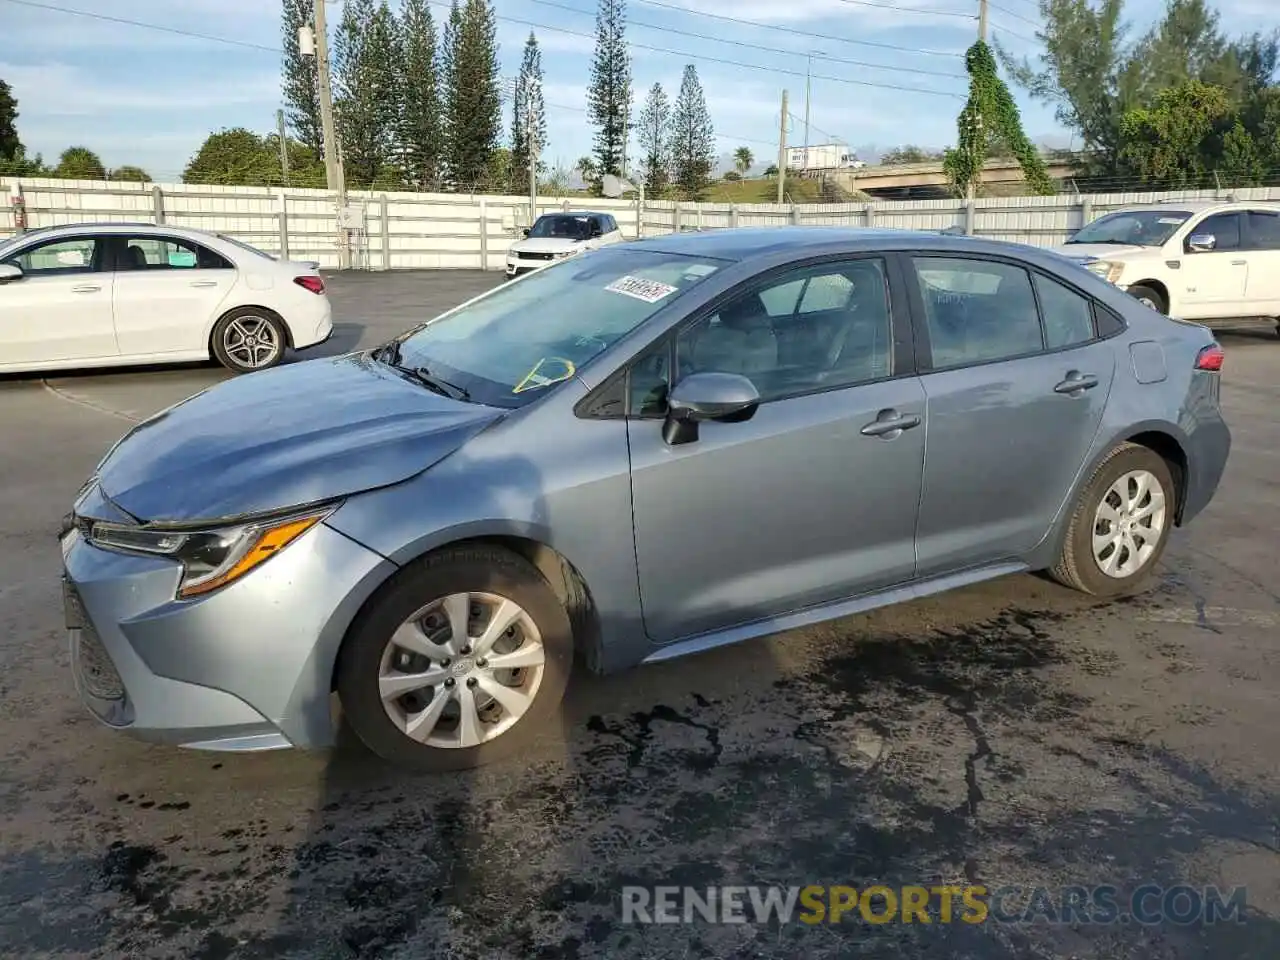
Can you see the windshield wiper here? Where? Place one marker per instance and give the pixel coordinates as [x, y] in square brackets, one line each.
[1119, 243]
[434, 383]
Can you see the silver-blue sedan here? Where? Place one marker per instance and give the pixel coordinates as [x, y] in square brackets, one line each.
[639, 453]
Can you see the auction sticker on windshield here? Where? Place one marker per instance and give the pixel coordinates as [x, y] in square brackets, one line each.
[650, 291]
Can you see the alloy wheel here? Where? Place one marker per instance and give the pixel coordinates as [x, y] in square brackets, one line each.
[251, 342]
[462, 670]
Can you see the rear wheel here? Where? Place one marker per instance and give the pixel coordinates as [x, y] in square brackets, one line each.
[1121, 524]
[249, 339]
[462, 660]
[1150, 296]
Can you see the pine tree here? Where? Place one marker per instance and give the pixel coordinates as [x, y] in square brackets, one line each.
[655, 140]
[10, 145]
[609, 96]
[692, 137]
[367, 86]
[528, 115]
[473, 104]
[420, 131]
[300, 80]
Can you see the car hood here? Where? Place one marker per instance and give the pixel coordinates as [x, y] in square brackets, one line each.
[298, 434]
[546, 245]
[1102, 251]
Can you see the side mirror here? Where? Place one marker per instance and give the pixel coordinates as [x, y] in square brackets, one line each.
[10, 273]
[525, 231]
[726, 397]
[1202, 242]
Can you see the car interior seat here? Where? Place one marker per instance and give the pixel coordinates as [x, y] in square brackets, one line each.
[742, 341]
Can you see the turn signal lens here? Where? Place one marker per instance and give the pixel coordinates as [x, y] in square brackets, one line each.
[258, 547]
[1211, 358]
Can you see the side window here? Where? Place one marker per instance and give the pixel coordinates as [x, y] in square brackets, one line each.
[59, 257]
[1068, 317]
[167, 253]
[829, 292]
[1264, 230]
[788, 352]
[1225, 228]
[648, 381]
[610, 225]
[977, 310]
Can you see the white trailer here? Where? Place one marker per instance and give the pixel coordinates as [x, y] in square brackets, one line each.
[823, 156]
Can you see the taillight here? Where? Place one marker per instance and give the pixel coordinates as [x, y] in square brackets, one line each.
[314, 284]
[1210, 358]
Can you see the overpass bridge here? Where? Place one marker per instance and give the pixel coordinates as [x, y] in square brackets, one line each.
[927, 179]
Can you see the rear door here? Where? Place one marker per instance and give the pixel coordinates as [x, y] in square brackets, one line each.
[1262, 241]
[168, 291]
[811, 500]
[61, 308]
[1016, 379]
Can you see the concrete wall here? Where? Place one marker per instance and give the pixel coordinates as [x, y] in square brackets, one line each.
[431, 230]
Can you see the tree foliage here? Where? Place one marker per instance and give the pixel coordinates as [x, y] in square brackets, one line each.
[10, 145]
[366, 82]
[654, 134]
[239, 157]
[1164, 144]
[129, 174]
[299, 76]
[909, 154]
[528, 115]
[609, 93]
[79, 163]
[419, 132]
[472, 101]
[743, 158]
[990, 114]
[692, 137]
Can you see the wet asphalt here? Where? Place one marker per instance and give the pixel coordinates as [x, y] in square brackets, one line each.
[1013, 734]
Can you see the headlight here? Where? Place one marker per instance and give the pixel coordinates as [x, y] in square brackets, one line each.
[210, 558]
[1108, 270]
[566, 253]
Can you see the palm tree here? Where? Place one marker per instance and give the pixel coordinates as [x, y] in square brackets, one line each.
[743, 159]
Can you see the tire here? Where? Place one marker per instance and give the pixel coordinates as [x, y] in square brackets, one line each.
[1078, 565]
[1150, 296]
[369, 659]
[241, 340]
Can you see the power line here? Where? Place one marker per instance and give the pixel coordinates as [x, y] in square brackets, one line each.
[795, 32]
[757, 46]
[898, 8]
[1014, 14]
[997, 28]
[442, 4]
[149, 26]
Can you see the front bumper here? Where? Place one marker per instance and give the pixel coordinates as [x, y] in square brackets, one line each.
[248, 667]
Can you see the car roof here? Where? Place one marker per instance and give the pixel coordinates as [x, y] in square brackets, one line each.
[573, 213]
[1200, 206]
[749, 243]
[114, 227]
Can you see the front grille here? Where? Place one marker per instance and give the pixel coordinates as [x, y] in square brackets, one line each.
[536, 256]
[96, 672]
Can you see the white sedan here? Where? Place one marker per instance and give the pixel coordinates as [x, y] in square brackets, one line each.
[112, 294]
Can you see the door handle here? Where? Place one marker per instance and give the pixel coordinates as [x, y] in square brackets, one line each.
[1076, 383]
[889, 424]
[1239, 263]
[86, 288]
[204, 283]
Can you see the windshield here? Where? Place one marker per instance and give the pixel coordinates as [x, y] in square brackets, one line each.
[562, 227]
[1142, 228]
[509, 347]
[244, 246]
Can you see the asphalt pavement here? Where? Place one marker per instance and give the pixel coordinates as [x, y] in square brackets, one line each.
[1010, 735]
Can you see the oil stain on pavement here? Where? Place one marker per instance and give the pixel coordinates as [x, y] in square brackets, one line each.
[993, 753]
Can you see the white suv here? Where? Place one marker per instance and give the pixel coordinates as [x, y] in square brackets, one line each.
[555, 236]
[1198, 260]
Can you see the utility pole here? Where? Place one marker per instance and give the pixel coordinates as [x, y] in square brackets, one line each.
[284, 146]
[531, 136]
[982, 20]
[808, 73]
[971, 189]
[782, 147]
[333, 176]
[626, 136]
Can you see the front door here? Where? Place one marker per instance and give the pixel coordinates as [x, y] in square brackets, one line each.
[60, 310]
[812, 499]
[1015, 398]
[167, 294]
[1214, 281]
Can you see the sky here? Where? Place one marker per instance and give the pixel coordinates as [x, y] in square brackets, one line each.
[884, 72]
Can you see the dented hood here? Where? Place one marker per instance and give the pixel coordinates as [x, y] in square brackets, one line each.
[297, 434]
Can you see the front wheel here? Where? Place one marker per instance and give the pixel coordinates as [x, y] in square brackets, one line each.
[462, 660]
[1149, 296]
[249, 339]
[1121, 524]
